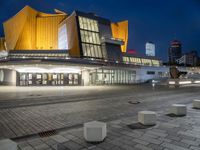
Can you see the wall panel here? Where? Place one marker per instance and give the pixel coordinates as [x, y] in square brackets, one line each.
[120, 31]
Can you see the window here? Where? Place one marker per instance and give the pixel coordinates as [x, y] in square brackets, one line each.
[150, 72]
[88, 24]
[90, 37]
[91, 44]
[155, 62]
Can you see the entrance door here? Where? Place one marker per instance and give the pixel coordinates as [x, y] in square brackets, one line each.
[38, 79]
[73, 79]
[23, 79]
[58, 79]
[44, 78]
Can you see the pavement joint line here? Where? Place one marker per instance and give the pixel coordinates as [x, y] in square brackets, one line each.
[66, 101]
[60, 101]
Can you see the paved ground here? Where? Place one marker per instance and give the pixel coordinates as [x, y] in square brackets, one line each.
[177, 133]
[29, 111]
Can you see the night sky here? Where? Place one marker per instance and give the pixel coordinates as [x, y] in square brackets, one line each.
[159, 21]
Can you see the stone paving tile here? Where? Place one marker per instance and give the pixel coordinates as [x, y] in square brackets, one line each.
[193, 143]
[194, 148]
[155, 147]
[59, 138]
[142, 147]
[42, 146]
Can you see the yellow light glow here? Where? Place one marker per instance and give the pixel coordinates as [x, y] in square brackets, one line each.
[33, 30]
[120, 31]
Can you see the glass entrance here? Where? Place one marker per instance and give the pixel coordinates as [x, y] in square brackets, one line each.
[48, 79]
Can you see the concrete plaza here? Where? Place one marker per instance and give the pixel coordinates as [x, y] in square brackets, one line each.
[27, 112]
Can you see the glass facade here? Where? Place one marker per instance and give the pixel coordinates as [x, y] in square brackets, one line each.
[112, 76]
[90, 38]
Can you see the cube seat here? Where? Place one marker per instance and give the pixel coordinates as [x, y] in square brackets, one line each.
[196, 104]
[147, 117]
[178, 109]
[7, 144]
[95, 131]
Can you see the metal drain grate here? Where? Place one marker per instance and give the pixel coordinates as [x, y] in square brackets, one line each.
[47, 133]
[134, 103]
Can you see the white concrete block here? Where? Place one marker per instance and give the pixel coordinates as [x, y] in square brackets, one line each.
[147, 117]
[7, 144]
[196, 103]
[95, 131]
[178, 109]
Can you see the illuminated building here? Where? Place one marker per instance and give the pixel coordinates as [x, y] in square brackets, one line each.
[69, 49]
[150, 49]
[175, 52]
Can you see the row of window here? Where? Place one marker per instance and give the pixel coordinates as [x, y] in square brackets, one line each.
[90, 37]
[101, 76]
[88, 24]
[141, 61]
[160, 74]
[91, 50]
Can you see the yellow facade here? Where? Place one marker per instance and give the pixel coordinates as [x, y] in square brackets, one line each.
[32, 30]
[120, 31]
[2, 44]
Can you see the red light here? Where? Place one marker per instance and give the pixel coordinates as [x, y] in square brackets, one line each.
[131, 51]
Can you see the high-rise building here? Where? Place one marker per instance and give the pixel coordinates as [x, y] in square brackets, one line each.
[189, 59]
[175, 51]
[150, 49]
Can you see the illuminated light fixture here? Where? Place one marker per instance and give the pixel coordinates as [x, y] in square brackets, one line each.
[185, 82]
[43, 70]
[23, 57]
[117, 62]
[67, 58]
[105, 60]
[45, 57]
[172, 82]
[32, 70]
[65, 70]
[196, 81]
[92, 58]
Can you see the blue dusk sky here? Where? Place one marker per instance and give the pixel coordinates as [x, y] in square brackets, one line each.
[159, 21]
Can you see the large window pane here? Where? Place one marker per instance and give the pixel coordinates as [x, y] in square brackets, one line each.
[90, 37]
[99, 52]
[88, 24]
[84, 50]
